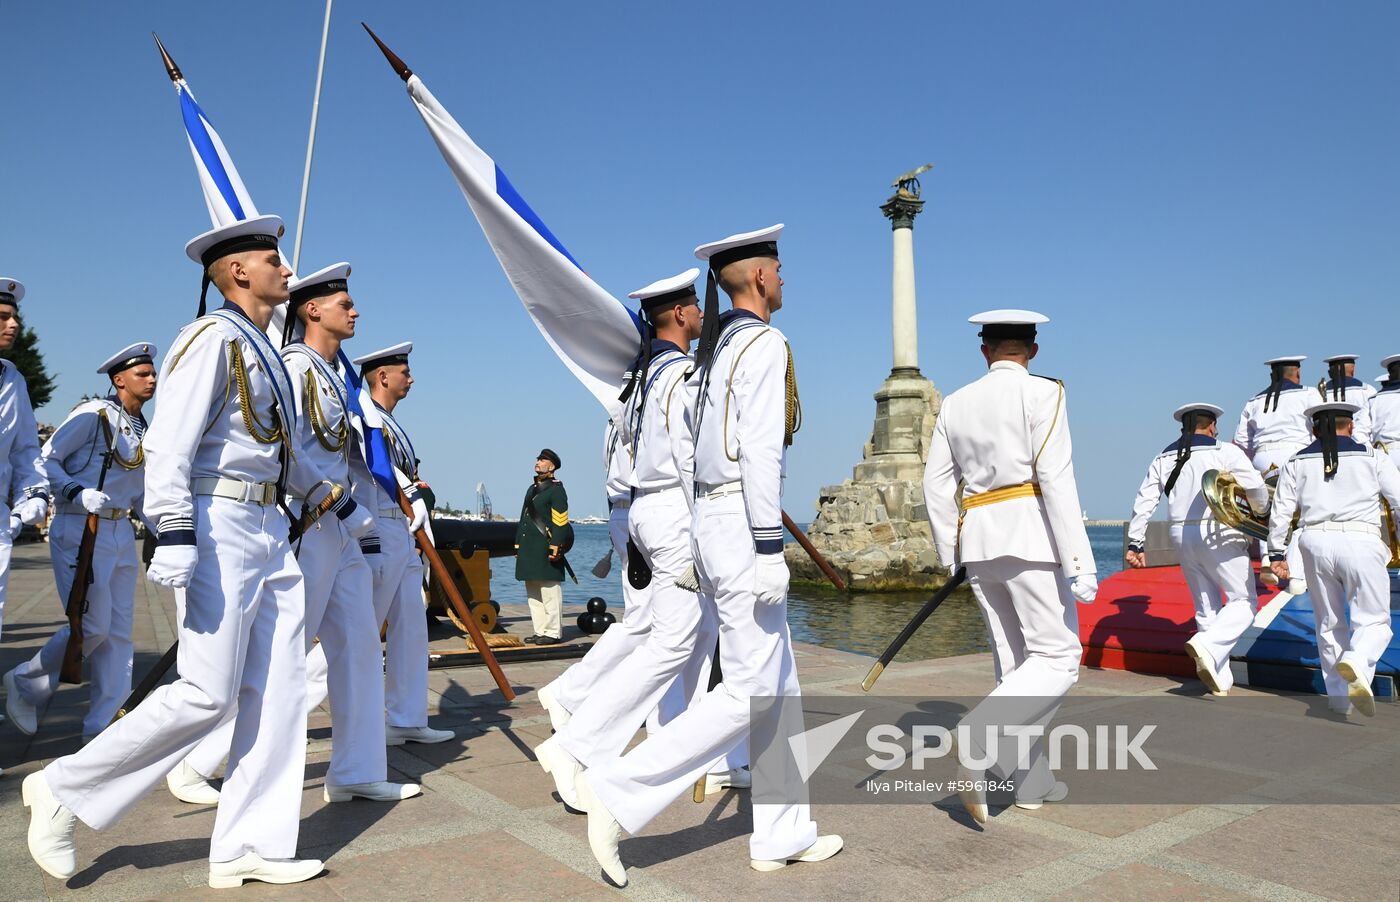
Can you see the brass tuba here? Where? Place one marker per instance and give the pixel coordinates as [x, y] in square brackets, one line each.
[1227, 501]
[1388, 533]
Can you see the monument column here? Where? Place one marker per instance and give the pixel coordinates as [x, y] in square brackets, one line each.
[901, 210]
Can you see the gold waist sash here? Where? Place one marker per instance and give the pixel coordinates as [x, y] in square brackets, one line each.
[1005, 493]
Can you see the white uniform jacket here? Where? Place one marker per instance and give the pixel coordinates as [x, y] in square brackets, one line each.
[1186, 504]
[617, 461]
[325, 433]
[1008, 428]
[664, 449]
[1351, 496]
[21, 472]
[221, 374]
[741, 422]
[1283, 427]
[73, 455]
[1357, 392]
[404, 458]
[1384, 414]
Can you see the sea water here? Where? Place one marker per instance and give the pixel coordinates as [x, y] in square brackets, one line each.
[861, 622]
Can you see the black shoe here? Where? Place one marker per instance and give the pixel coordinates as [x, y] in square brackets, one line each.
[547, 640]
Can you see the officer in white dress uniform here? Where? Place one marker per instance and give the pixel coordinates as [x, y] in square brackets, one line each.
[1384, 409]
[1273, 427]
[1335, 485]
[1214, 558]
[1019, 532]
[75, 458]
[745, 418]
[338, 581]
[1342, 385]
[215, 455]
[679, 634]
[398, 586]
[22, 477]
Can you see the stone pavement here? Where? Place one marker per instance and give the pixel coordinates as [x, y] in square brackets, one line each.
[487, 826]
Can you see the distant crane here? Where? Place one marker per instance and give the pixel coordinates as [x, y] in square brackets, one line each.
[483, 501]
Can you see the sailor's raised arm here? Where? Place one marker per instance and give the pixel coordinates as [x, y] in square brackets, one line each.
[941, 490]
[193, 390]
[760, 399]
[1054, 467]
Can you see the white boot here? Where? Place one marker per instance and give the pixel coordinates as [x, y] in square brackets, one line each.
[188, 785]
[1205, 667]
[1357, 689]
[230, 874]
[426, 735]
[738, 778]
[379, 791]
[22, 714]
[50, 828]
[558, 714]
[563, 767]
[821, 850]
[604, 832]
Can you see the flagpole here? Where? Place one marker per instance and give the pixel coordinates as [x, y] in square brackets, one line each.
[311, 140]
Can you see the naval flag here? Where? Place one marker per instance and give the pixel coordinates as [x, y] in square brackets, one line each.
[229, 202]
[594, 334]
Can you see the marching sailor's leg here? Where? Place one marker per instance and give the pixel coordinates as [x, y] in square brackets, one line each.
[1329, 600]
[1229, 570]
[1367, 586]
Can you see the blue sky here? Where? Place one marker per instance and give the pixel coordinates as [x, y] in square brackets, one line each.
[1186, 188]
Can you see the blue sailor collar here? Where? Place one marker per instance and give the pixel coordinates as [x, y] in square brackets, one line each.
[1350, 382]
[1345, 443]
[1197, 441]
[1286, 387]
[660, 346]
[1389, 386]
[729, 317]
[230, 305]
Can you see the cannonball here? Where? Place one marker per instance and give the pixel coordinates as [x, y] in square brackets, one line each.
[597, 605]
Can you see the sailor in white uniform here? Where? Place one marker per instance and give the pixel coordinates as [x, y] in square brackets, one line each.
[1019, 532]
[1342, 385]
[100, 436]
[215, 454]
[1273, 427]
[338, 582]
[398, 586]
[679, 635]
[746, 414]
[1335, 485]
[1383, 410]
[21, 475]
[1214, 558]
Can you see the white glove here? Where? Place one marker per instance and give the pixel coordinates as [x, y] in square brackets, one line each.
[16, 527]
[420, 515]
[1084, 588]
[94, 500]
[31, 511]
[359, 522]
[173, 565]
[770, 579]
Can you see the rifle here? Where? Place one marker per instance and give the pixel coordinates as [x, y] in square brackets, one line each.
[72, 669]
[449, 589]
[815, 555]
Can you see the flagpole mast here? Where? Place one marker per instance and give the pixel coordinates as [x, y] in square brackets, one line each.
[311, 140]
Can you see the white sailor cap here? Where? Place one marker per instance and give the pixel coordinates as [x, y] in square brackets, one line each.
[1390, 361]
[1345, 407]
[1295, 360]
[331, 280]
[127, 357]
[1008, 324]
[11, 291]
[246, 235]
[758, 243]
[385, 356]
[1341, 358]
[668, 292]
[1383, 378]
[1197, 406]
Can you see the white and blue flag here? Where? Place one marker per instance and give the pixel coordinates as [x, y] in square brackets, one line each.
[229, 202]
[594, 334]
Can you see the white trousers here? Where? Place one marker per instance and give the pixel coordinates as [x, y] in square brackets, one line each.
[756, 657]
[5, 549]
[1347, 571]
[241, 643]
[398, 598]
[1215, 562]
[575, 685]
[1034, 631]
[346, 662]
[106, 623]
[609, 717]
[546, 598]
[1263, 462]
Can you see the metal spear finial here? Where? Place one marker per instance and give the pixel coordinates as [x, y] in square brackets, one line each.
[170, 67]
[404, 72]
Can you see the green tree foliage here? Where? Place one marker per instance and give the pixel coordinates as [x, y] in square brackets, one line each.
[30, 360]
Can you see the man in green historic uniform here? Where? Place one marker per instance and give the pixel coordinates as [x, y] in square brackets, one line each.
[542, 538]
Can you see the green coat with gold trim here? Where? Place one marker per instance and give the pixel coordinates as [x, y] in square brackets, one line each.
[551, 504]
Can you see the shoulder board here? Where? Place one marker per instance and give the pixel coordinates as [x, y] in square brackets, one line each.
[1059, 382]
